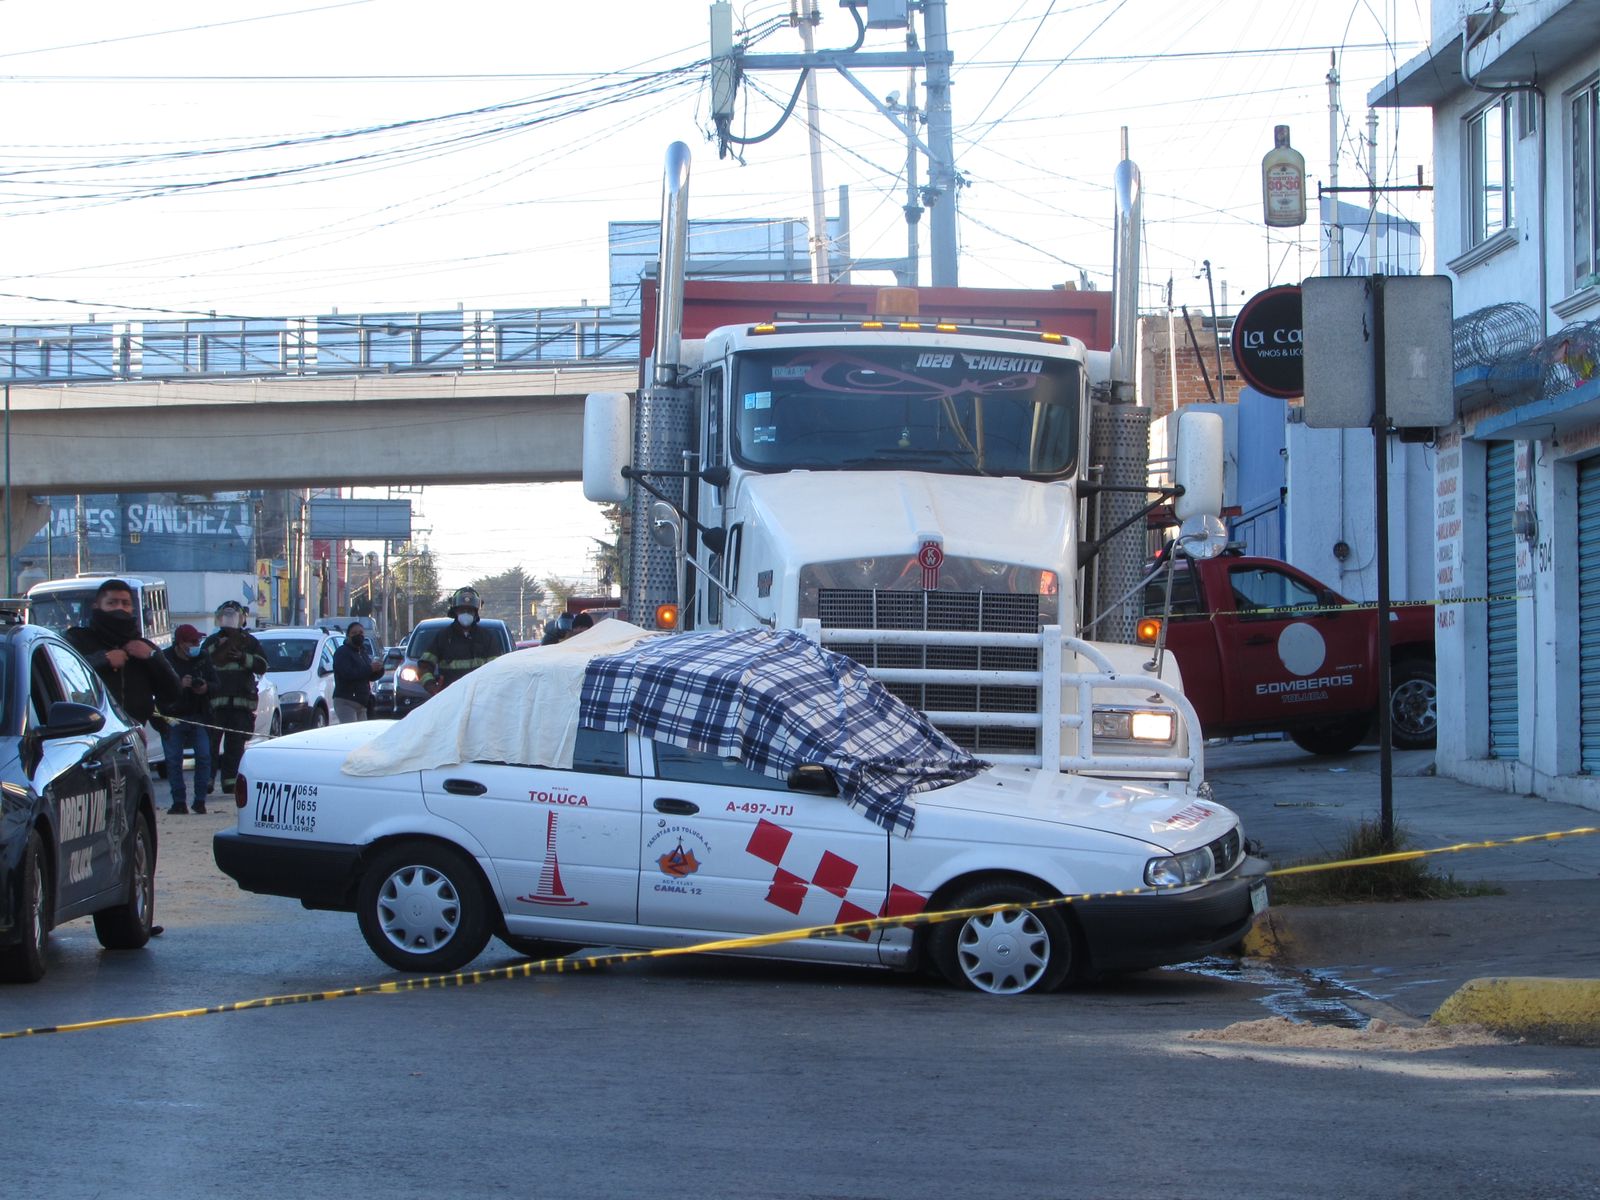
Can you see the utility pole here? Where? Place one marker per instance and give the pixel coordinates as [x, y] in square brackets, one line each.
[943, 182]
[806, 21]
[730, 62]
[1335, 229]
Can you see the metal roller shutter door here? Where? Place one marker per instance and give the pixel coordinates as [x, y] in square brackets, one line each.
[1502, 547]
[1589, 614]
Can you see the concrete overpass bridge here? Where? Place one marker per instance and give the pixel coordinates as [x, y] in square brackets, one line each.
[219, 405]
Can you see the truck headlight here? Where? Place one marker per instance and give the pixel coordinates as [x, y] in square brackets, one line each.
[1135, 725]
[408, 675]
[1180, 870]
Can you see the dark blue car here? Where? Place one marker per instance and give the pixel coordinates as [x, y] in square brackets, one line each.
[77, 816]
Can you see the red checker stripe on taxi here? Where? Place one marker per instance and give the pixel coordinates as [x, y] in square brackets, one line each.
[833, 874]
[788, 891]
[769, 841]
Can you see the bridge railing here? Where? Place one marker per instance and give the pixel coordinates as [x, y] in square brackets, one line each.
[336, 344]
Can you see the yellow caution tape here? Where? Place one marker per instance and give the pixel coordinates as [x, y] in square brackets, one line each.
[571, 963]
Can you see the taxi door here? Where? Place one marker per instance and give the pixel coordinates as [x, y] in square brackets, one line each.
[727, 849]
[563, 843]
[1285, 664]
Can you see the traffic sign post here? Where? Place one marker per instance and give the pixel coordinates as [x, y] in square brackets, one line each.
[1398, 328]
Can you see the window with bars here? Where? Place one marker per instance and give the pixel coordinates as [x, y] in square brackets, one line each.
[1490, 176]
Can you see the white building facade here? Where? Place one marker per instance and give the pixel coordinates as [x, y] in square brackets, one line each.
[1515, 97]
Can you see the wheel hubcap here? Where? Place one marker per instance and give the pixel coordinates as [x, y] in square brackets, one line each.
[144, 884]
[418, 909]
[36, 903]
[1003, 952]
[1414, 707]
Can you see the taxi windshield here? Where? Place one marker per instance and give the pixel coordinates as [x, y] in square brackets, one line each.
[889, 408]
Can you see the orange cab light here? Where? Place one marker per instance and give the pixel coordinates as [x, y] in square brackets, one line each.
[1148, 630]
[1050, 337]
[911, 326]
[765, 327]
[872, 324]
[1047, 583]
[945, 327]
[666, 616]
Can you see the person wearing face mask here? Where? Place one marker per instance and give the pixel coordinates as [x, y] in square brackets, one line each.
[197, 678]
[135, 672]
[239, 663]
[458, 650]
[353, 672]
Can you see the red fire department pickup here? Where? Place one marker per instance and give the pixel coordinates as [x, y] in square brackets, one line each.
[1264, 647]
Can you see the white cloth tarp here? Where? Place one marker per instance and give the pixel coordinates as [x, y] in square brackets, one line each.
[520, 708]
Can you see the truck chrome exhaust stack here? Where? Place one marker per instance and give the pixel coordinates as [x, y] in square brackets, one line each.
[673, 265]
[1125, 273]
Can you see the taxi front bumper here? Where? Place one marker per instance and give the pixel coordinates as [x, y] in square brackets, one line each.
[1134, 933]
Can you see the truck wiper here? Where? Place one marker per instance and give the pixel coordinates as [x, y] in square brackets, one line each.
[923, 458]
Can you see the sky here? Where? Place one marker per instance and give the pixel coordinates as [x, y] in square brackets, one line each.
[293, 157]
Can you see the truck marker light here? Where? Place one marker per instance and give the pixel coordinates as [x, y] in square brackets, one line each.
[1148, 630]
[911, 326]
[1050, 337]
[666, 616]
[872, 324]
[945, 327]
[764, 328]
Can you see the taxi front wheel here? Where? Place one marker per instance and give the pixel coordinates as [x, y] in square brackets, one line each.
[422, 907]
[1004, 953]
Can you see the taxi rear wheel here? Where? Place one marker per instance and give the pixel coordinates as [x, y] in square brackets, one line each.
[1005, 953]
[128, 925]
[24, 962]
[422, 907]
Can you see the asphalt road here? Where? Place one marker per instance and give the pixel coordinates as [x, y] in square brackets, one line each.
[723, 1078]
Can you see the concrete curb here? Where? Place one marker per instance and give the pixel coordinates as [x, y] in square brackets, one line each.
[1563, 1011]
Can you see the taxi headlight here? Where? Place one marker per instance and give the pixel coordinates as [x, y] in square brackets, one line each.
[1179, 870]
[1135, 725]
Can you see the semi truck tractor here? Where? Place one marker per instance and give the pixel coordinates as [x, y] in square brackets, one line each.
[906, 475]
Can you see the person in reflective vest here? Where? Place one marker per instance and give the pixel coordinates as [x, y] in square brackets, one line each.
[239, 662]
[461, 649]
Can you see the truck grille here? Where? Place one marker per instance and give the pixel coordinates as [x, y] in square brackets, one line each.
[941, 612]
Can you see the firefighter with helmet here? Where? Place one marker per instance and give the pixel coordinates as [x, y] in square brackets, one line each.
[460, 649]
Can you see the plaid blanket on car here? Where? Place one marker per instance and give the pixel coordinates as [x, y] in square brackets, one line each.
[775, 700]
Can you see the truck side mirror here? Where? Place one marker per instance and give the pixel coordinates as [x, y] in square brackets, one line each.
[663, 525]
[607, 446]
[1198, 467]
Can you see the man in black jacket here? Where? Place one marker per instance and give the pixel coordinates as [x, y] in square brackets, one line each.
[197, 679]
[353, 673]
[135, 672]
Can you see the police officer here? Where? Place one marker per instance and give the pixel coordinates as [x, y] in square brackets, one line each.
[238, 660]
[460, 649]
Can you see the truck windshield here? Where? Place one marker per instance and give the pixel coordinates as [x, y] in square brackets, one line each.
[957, 412]
[62, 608]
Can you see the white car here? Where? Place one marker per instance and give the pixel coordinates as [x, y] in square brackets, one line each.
[642, 842]
[300, 667]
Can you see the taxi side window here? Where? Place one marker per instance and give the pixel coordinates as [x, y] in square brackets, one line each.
[82, 684]
[695, 766]
[596, 752]
[1258, 588]
[43, 689]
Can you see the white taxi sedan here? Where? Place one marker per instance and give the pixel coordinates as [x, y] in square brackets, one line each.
[635, 840]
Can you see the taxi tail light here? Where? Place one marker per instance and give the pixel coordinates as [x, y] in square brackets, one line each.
[241, 789]
[1148, 630]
